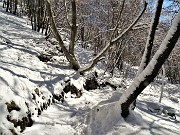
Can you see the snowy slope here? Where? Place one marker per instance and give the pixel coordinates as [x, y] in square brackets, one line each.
[23, 75]
[21, 72]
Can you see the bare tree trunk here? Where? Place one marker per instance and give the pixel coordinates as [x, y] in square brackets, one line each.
[73, 28]
[4, 3]
[163, 83]
[38, 10]
[10, 6]
[47, 26]
[32, 22]
[35, 22]
[43, 24]
[7, 7]
[70, 58]
[151, 71]
[82, 34]
[149, 44]
[15, 6]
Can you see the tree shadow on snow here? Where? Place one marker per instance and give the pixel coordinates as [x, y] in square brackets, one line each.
[16, 27]
[144, 105]
[152, 126]
[59, 65]
[154, 129]
[49, 84]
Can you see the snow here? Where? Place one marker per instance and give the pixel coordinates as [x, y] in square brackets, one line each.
[23, 75]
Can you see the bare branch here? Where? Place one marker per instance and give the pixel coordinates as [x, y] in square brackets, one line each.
[115, 40]
[118, 20]
[66, 14]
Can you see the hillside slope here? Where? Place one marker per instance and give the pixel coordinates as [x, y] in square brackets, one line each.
[27, 86]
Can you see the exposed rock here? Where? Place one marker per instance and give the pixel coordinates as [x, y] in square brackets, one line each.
[108, 83]
[44, 57]
[12, 106]
[57, 97]
[174, 99]
[25, 122]
[71, 88]
[13, 132]
[37, 91]
[49, 102]
[91, 84]
[33, 96]
[39, 111]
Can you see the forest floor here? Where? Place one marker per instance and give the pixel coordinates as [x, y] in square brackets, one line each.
[27, 83]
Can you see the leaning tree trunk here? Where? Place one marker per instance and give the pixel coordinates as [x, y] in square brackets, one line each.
[151, 71]
[70, 57]
[149, 43]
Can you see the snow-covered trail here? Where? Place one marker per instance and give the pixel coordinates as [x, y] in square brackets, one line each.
[56, 120]
[21, 72]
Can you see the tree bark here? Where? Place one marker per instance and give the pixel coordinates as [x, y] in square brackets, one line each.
[4, 3]
[7, 7]
[82, 34]
[10, 6]
[163, 83]
[15, 6]
[151, 71]
[149, 44]
[73, 28]
[47, 27]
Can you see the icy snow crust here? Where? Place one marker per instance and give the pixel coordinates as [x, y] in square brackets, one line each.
[21, 72]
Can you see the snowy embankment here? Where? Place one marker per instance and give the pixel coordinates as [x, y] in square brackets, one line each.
[25, 82]
[27, 86]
